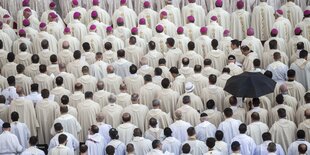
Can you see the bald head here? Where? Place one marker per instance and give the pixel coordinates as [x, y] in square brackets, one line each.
[100, 85]
[110, 69]
[62, 67]
[100, 117]
[178, 115]
[126, 117]
[19, 91]
[143, 61]
[283, 88]
[78, 87]
[65, 45]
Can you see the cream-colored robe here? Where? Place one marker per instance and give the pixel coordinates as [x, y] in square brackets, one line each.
[248, 61]
[263, 115]
[283, 132]
[75, 67]
[58, 92]
[199, 81]
[125, 132]
[145, 33]
[23, 81]
[101, 97]
[255, 130]
[43, 35]
[222, 79]
[138, 115]
[134, 82]
[192, 31]
[305, 126]
[7, 70]
[160, 41]
[208, 70]
[303, 25]
[47, 111]
[292, 12]
[194, 58]
[268, 57]
[181, 42]
[163, 119]
[178, 84]
[195, 103]
[89, 83]
[69, 123]
[223, 17]
[295, 89]
[73, 42]
[113, 114]
[123, 99]
[215, 117]
[32, 70]
[172, 57]
[169, 100]
[149, 92]
[53, 69]
[145, 69]
[45, 57]
[153, 56]
[78, 29]
[102, 15]
[27, 113]
[174, 14]
[240, 22]
[284, 27]
[4, 112]
[112, 83]
[87, 111]
[300, 113]
[273, 114]
[44, 81]
[129, 16]
[215, 31]
[203, 45]
[301, 69]
[117, 43]
[23, 58]
[3, 57]
[69, 80]
[190, 115]
[75, 98]
[193, 9]
[216, 93]
[238, 113]
[134, 53]
[218, 59]
[150, 16]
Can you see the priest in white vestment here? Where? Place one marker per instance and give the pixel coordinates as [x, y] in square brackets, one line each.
[247, 143]
[87, 111]
[75, 7]
[169, 27]
[215, 31]
[304, 125]
[301, 68]
[9, 143]
[205, 129]
[141, 144]
[253, 43]
[144, 31]
[304, 24]
[74, 43]
[32, 149]
[240, 21]
[256, 128]
[193, 9]
[77, 96]
[189, 114]
[292, 12]
[283, 25]
[294, 40]
[117, 43]
[95, 142]
[163, 119]
[191, 30]
[294, 147]
[229, 126]
[61, 148]
[22, 39]
[130, 17]
[174, 13]
[262, 20]
[79, 30]
[20, 130]
[126, 129]
[263, 148]
[112, 111]
[149, 14]
[181, 40]
[112, 81]
[197, 147]
[203, 42]
[160, 38]
[198, 80]
[47, 111]
[103, 15]
[44, 35]
[222, 15]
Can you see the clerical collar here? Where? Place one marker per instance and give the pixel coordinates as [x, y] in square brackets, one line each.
[290, 80]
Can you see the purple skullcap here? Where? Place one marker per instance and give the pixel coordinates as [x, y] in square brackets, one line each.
[67, 30]
[94, 14]
[26, 22]
[240, 4]
[42, 25]
[279, 12]
[180, 30]
[191, 1]
[123, 2]
[214, 18]
[191, 18]
[226, 33]
[147, 4]
[159, 28]
[52, 15]
[163, 13]
[27, 10]
[274, 31]
[134, 30]
[218, 3]
[93, 27]
[142, 21]
[21, 32]
[26, 3]
[307, 13]
[6, 16]
[119, 20]
[297, 31]
[109, 29]
[250, 31]
[75, 2]
[52, 5]
[96, 2]
[76, 15]
[203, 29]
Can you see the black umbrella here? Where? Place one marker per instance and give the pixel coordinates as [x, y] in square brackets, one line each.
[249, 84]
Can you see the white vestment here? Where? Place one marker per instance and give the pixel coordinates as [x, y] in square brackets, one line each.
[230, 128]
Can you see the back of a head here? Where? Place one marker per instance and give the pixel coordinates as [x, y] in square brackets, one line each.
[77, 54]
[210, 104]
[301, 134]
[153, 122]
[35, 58]
[242, 128]
[273, 44]
[170, 42]
[53, 58]
[266, 136]
[133, 69]
[88, 95]
[210, 142]
[307, 97]
[20, 68]
[167, 132]
[186, 148]
[33, 140]
[158, 71]
[235, 146]
[10, 57]
[85, 70]
[44, 44]
[235, 42]
[23, 47]
[268, 74]
[303, 54]
[256, 62]
[42, 68]
[126, 117]
[110, 150]
[219, 135]
[165, 83]
[191, 46]
[300, 46]
[302, 148]
[64, 99]
[83, 148]
[233, 101]
[59, 80]
[112, 98]
[108, 46]
[156, 144]
[174, 70]
[228, 112]
[255, 116]
[186, 99]
[276, 56]
[197, 68]
[121, 53]
[94, 129]
[137, 132]
[130, 148]
[147, 78]
[280, 99]
[191, 131]
[226, 70]
[152, 45]
[162, 61]
[34, 87]
[86, 46]
[272, 147]
[281, 113]
[207, 62]
[58, 127]
[212, 79]
[62, 138]
[132, 40]
[14, 116]
[291, 73]
[214, 43]
[78, 86]
[185, 61]
[45, 93]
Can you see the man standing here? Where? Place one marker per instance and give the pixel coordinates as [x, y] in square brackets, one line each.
[95, 142]
[9, 144]
[247, 143]
[61, 148]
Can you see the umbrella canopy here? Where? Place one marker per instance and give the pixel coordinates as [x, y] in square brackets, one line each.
[250, 84]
